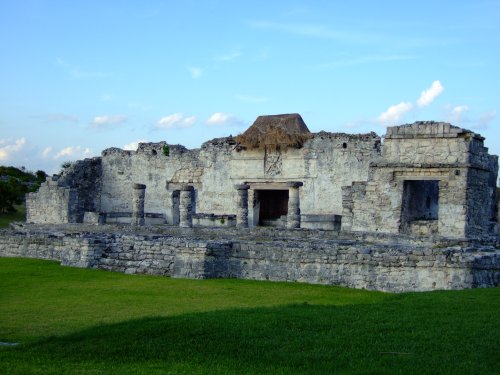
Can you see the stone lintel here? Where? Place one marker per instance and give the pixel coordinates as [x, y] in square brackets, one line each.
[427, 165]
[186, 188]
[294, 184]
[242, 186]
[273, 185]
[420, 165]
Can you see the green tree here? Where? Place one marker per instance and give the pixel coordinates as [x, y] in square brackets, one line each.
[40, 176]
[15, 183]
[11, 193]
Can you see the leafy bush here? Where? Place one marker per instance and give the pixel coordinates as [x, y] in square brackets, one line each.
[166, 150]
[11, 193]
[65, 165]
[15, 183]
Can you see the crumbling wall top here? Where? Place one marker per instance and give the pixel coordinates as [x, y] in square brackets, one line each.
[150, 147]
[219, 142]
[428, 129]
[116, 151]
[346, 136]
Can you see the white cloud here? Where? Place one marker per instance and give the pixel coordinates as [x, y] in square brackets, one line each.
[196, 72]
[132, 146]
[176, 120]
[46, 152]
[221, 118]
[73, 152]
[428, 96]
[251, 99]
[395, 112]
[100, 121]
[228, 56]
[459, 109]
[462, 115]
[67, 151]
[11, 148]
[457, 113]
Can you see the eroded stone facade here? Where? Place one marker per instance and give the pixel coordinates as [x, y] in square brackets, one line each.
[417, 211]
[430, 178]
[426, 178]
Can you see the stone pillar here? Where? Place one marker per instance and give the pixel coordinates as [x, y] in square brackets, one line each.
[138, 204]
[347, 207]
[185, 207]
[498, 219]
[293, 217]
[251, 208]
[242, 206]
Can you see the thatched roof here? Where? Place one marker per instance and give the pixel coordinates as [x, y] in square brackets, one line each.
[275, 132]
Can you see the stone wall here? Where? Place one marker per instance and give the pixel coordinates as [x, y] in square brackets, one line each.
[424, 154]
[66, 198]
[350, 264]
[133, 254]
[77, 250]
[480, 203]
[334, 180]
[323, 164]
[52, 204]
[85, 177]
[393, 264]
[149, 166]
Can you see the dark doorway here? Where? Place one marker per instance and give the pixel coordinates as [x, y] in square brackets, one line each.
[273, 205]
[420, 201]
[175, 207]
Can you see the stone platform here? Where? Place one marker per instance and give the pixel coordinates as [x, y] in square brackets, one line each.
[374, 261]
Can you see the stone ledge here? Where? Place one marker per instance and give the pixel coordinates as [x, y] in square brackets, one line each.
[359, 263]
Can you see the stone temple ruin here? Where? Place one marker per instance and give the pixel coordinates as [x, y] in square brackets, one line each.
[416, 212]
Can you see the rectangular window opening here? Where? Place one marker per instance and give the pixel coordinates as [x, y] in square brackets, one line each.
[420, 202]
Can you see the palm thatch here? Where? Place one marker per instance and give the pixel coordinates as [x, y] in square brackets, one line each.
[275, 132]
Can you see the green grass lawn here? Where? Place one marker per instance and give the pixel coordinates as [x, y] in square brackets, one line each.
[7, 218]
[80, 321]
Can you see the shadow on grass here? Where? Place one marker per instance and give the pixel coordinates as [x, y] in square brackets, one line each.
[405, 335]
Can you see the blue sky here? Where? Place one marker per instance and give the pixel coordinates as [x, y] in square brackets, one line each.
[77, 77]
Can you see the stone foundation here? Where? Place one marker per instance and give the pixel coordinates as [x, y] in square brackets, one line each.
[369, 261]
[211, 220]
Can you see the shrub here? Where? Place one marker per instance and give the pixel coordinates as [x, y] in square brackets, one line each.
[166, 150]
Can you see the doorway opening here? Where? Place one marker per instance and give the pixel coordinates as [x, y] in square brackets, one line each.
[420, 205]
[272, 206]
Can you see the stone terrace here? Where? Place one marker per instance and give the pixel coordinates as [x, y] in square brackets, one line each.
[363, 260]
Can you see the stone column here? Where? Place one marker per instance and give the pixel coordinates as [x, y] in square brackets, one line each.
[251, 208]
[242, 206]
[185, 207]
[498, 220]
[293, 217]
[138, 204]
